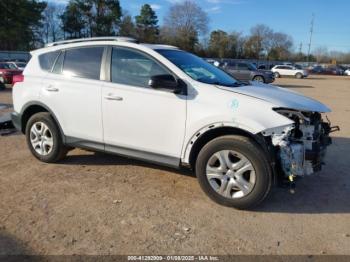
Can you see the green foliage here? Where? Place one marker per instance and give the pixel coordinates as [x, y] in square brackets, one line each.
[72, 21]
[127, 27]
[20, 22]
[224, 45]
[147, 25]
[87, 18]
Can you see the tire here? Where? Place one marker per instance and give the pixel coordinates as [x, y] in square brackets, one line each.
[259, 79]
[299, 75]
[44, 138]
[2, 86]
[277, 75]
[259, 181]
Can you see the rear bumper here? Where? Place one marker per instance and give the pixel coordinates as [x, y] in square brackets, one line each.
[17, 120]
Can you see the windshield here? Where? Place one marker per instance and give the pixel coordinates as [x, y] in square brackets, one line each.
[197, 68]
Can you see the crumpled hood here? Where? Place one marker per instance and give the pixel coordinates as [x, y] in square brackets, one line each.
[280, 97]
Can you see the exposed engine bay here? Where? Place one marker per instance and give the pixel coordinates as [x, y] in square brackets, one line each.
[301, 148]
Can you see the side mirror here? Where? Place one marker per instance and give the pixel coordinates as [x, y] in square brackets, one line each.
[165, 82]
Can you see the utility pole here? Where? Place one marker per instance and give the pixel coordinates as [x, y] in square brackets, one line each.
[311, 33]
[300, 47]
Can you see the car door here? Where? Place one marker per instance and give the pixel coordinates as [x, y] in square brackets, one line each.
[72, 91]
[138, 120]
[289, 70]
[243, 71]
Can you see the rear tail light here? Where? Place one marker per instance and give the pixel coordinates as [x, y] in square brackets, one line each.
[17, 79]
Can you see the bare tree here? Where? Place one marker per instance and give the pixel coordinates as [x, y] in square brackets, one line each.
[127, 26]
[281, 46]
[183, 25]
[321, 54]
[261, 37]
[51, 22]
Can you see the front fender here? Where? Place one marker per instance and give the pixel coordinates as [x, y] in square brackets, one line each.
[249, 125]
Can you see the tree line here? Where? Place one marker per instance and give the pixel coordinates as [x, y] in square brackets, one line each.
[28, 24]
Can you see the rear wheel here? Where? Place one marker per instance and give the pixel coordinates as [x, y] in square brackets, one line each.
[277, 75]
[259, 79]
[233, 171]
[299, 75]
[44, 138]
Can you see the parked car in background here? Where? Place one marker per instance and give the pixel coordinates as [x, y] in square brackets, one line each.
[288, 70]
[8, 73]
[335, 70]
[328, 70]
[317, 70]
[347, 72]
[244, 71]
[17, 65]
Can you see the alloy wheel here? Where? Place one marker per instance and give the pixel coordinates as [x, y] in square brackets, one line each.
[41, 138]
[230, 174]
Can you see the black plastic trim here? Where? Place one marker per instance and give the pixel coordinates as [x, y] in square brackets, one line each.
[122, 151]
[16, 120]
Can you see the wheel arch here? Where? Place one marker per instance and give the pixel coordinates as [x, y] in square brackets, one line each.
[202, 137]
[33, 108]
[259, 75]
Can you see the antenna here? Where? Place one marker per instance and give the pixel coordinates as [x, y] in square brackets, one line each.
[311, 33]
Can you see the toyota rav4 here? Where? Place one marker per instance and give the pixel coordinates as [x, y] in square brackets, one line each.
[160, 104]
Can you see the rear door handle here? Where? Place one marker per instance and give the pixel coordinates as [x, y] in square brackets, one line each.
[52, 89]
[113, 97]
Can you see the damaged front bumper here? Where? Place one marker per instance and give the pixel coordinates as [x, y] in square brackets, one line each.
[300, 148]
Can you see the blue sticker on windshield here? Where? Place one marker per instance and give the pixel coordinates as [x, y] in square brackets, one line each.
[234, 104]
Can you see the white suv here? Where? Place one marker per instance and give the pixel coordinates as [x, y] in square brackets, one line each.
[160, 104]
[288, 70]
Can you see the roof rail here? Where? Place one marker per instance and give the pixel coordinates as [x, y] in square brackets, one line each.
[79, 40]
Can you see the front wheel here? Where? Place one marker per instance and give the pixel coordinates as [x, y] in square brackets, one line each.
[299, 75]
[233, 171]
[277, 75]
[44, 138]
[259, 79]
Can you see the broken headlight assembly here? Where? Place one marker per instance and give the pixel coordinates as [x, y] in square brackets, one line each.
[301, 148]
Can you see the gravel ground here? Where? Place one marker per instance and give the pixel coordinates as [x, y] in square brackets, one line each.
[101, 204]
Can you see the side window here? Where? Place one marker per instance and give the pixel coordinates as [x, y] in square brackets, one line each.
[83, 62]
[47, 60]
[133, 68]
[242, 66]
[57, 69]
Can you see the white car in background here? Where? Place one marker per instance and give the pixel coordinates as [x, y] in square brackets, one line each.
[288, 70]
[347, 72]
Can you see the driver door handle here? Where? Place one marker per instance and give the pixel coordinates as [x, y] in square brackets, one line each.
[51, 88]
[113, 97]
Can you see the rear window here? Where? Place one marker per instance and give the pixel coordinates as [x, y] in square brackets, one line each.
[47, 60]
[83, 62]
[4, 66]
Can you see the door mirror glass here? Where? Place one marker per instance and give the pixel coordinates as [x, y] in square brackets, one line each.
[163, 82]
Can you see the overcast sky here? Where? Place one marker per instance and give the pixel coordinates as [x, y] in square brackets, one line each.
[331, 27]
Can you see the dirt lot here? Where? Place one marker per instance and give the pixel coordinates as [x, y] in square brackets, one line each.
[101, 204]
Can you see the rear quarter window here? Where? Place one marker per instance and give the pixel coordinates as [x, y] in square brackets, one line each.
[47, 60]
[83, 62]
